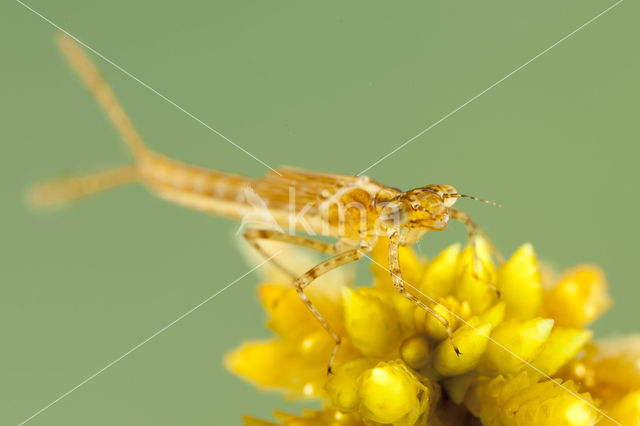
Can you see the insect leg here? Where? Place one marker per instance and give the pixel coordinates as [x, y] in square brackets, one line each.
[86, 69]
[64, 190]
[254, 235]
[307, 278]
[473, 231]
[61, 191]
[398, 283]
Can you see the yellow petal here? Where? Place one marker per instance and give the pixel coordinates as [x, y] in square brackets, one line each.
[514, 341]
[440, 273]
[562, 345]
[391, 393]
[520, 284]
[371, 323]
[277, 364]
[494, 315]
[471, 342]
[579, 298]
[288, 316]
[411, 265]
[405, 310]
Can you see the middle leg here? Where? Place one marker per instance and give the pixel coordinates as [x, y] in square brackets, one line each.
[307, 278]
[253, 236]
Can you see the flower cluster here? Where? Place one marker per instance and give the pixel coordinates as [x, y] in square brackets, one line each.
[524, 356]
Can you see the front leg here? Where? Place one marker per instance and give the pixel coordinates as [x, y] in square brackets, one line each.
[399, 284]
[472, 232]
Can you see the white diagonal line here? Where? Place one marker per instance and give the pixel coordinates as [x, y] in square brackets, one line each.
[136, 347]
[128, 74]
[498, 344]
[432, 125]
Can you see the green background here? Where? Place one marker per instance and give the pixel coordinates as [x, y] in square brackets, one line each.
[321, 85]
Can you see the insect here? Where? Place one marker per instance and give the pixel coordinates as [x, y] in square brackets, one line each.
[354, 210]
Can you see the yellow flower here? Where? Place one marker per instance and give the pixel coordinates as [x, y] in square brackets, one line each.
[520, 358]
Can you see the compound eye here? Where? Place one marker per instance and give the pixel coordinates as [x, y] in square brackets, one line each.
[415, 205]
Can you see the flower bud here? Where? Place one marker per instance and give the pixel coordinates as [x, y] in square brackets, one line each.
[440, 274]
[471, 343]
[514, 341]
[520, 284]
[522, 401]
[371, 324]
[391, 394]
[579, 298]
[448, 308]
[415, 351]
[342, 385]
[405, 311]
[561, 346]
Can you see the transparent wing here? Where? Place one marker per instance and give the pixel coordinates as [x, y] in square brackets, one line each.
[308, 188]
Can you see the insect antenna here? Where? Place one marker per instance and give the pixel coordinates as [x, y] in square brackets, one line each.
[471, 197]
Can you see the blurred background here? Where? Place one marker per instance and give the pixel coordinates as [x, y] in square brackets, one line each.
[330, 86]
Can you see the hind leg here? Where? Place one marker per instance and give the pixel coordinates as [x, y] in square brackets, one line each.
[88, 72]
[62, 191]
